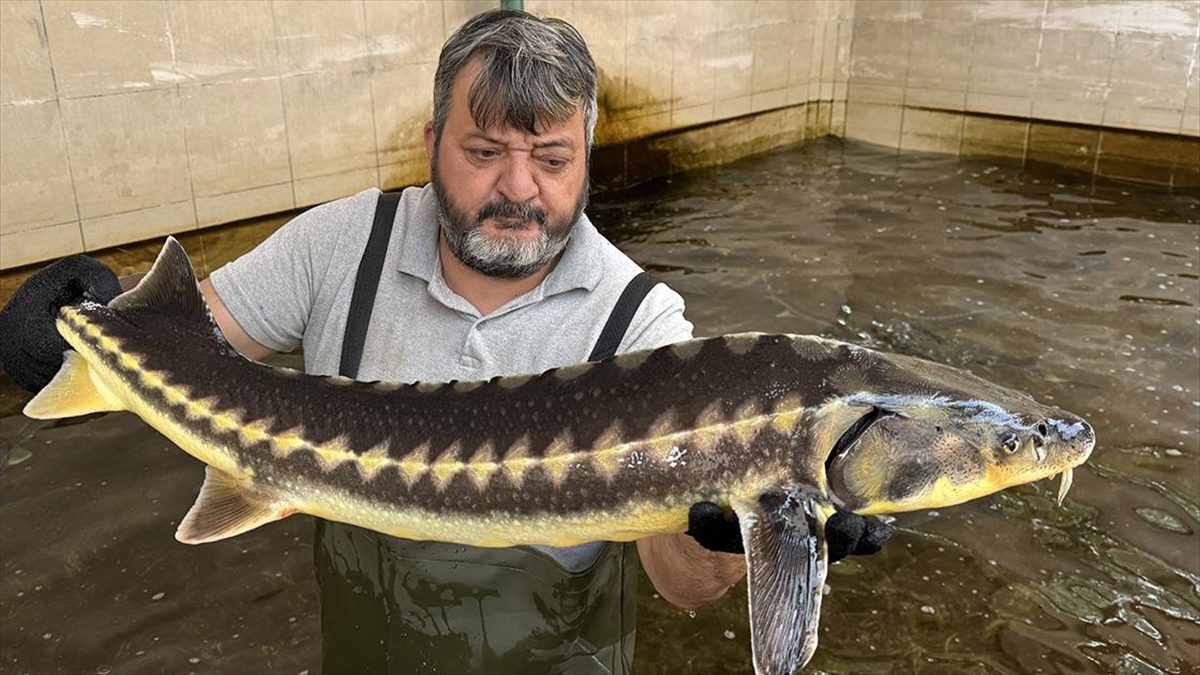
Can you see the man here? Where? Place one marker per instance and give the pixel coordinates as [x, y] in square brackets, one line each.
[492, 269]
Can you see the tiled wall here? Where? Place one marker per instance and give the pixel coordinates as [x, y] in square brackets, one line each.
[1092, 85]
[121, 121]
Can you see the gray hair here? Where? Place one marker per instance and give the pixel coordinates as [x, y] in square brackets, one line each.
[533, 69]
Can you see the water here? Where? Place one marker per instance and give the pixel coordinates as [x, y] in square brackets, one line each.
[1084, 295]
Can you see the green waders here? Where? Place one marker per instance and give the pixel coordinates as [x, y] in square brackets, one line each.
[396, 606]
[393, 605]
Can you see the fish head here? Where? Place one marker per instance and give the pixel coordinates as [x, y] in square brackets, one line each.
[923, 449]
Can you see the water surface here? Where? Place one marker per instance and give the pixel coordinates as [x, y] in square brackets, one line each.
[1083, 294]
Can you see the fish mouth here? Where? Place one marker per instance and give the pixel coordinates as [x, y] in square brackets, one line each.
[1084, 435]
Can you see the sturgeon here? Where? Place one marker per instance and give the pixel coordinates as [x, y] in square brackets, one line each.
[782, 429]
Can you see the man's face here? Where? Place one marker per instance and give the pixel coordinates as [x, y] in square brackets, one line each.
[509, 199]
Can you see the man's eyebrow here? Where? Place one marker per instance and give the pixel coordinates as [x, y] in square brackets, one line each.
[552, 143]
[556, 143]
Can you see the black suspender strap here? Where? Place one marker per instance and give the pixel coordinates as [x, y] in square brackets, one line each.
[367, 283]
[622, 314]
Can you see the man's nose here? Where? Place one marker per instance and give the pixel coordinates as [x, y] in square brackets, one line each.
[516, 182]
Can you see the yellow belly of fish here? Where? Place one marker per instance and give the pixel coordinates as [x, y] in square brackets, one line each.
[626, 523]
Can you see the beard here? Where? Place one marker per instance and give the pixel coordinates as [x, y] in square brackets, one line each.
[503, 257]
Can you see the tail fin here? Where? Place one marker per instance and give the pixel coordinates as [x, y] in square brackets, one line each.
[71, 393]
[168, 289]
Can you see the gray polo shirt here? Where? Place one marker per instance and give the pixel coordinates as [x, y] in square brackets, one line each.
[295, 288]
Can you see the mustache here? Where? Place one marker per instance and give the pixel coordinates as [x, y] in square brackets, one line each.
[502, 208]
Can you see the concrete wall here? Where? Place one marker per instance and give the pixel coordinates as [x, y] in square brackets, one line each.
[121, 121]
[1109, 86]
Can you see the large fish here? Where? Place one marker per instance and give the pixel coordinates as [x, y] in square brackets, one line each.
[779, 428]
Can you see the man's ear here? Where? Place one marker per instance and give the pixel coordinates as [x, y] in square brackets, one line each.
[430, 139]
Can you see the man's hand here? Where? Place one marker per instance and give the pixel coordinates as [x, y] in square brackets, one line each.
[845, 533]
[31, 350]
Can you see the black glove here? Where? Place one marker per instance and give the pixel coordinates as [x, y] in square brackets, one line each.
[31, 350]
[845, 533]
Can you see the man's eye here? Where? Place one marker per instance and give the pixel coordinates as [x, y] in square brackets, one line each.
[485, 154]
[554, 163]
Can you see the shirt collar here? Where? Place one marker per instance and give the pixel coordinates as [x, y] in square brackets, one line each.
[579, 266]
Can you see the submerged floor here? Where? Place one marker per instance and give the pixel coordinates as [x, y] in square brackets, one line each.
[1084, 295]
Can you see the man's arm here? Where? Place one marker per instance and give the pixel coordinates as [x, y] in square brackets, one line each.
[233, 331]
[686, 574]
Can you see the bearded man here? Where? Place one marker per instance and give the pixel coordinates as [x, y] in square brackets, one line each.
[492, 269]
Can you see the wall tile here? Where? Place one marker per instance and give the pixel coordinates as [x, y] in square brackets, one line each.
[880, 54]
[1151, 72]
[993, 137]
[649, 57]
[768, 100]
[45, 243]
[1191, 108]
[401, 33]
[1163, 17]
[837, 121]
[602, 25]
[24, 57]
[100, 47]
[873, 93]
[320, 36]
[693, 17]
[732, 15]
[216, 41]
[845, 32]
[1135, 116]
[1024, 13]
[403, 103]
[734, 64]
[698, 114]
[957, 11]
[1064, 145]
[127, 152]
[1073, 75]
[404, 174]
[329, 131]
[1084, 15]
[938, 63]
[873, 123]
[155, 221]
[243, 204]
[1003, 75]
[35, 182]
[931, 131]
[888, 10]
[767, 12]
[1187, 165]
[236, 138]
[456, 12]
[829, 51]
[693, 80]
[732, 107]
[816, 56]
[1131, 155]
[772, 52]
[321, 189]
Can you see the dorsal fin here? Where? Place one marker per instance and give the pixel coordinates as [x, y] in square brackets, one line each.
[168, 289]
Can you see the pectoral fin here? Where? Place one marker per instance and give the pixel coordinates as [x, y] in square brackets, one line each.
[228, 506]
[784, 536]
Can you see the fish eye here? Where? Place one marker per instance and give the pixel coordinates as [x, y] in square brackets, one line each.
[1042, 429]
[1009, 444]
